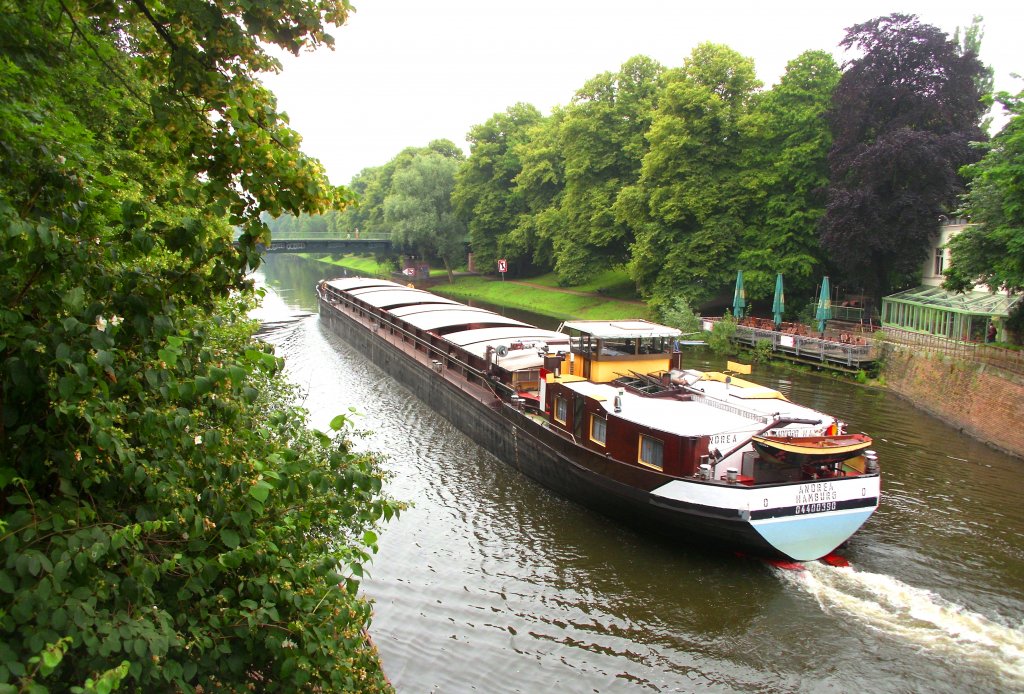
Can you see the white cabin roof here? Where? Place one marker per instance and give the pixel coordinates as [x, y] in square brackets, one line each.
[383, 297]
[349, 283]
[455, 317]
[716, 408]
[679, 417]
[618, 329]
[506, 336]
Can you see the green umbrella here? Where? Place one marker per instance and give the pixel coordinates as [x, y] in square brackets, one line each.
[739, 298]
[824, 311]
[779, 303]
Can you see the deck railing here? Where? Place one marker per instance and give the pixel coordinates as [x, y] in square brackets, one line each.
[850, 350]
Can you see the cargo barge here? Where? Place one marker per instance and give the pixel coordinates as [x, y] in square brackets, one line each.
[595, 412]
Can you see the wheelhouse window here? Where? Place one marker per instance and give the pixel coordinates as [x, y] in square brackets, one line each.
[598, 429]
[651, 451]
[561, 409]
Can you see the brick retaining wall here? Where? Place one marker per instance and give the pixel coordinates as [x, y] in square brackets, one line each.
[983, 401]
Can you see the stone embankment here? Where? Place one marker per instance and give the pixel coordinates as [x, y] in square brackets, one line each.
[982, 401]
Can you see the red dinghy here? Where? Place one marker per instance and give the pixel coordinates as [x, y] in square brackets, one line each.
[810, 450]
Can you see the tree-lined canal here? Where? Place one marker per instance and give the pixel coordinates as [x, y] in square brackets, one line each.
[490, 583]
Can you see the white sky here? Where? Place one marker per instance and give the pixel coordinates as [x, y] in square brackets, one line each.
[405, 72]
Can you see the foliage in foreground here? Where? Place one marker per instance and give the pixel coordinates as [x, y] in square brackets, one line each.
[167, 522]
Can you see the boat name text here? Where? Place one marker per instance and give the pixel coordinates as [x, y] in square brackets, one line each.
[724, 438]
[794, 432]
[816, 493]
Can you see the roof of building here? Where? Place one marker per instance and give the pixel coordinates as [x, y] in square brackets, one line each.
[973, 303]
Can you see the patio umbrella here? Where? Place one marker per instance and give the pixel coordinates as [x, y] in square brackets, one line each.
[824, 311]
[779, 303]
[739, 298]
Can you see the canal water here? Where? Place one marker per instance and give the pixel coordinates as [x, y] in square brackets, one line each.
[490, 583]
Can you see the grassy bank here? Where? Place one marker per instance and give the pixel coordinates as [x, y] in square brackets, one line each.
[366, 265]
[547, 301]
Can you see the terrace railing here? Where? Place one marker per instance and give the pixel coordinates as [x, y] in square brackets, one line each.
[851, 350]
[979, 352]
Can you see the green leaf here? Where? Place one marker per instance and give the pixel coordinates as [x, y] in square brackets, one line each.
[260, 490]
[74, 299]
[229, 537]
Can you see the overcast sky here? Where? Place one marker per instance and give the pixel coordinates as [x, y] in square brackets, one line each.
[405, 72]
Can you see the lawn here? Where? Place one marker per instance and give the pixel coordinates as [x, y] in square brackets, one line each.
[614, 283]
[364, 264]
[545, 301]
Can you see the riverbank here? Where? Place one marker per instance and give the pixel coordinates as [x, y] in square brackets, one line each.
[980, 401]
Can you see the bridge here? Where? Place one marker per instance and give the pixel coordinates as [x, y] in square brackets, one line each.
[309, 244]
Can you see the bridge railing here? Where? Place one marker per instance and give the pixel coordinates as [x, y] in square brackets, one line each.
[329, 236]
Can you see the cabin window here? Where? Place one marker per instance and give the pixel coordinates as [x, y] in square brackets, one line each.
[598, 429]
[561, 409]
[651, 451]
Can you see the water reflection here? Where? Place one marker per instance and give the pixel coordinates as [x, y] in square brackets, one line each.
[492, 583]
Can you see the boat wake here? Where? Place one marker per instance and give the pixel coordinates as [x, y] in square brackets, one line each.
[917, 616]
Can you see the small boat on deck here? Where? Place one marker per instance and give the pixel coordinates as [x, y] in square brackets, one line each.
[601, 412]
[827, 451]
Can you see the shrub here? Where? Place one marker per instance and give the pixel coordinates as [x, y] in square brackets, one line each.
[677, 314]
[720, 339]
[762, 352]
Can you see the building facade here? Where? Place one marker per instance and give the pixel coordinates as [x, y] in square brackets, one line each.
[976, 316]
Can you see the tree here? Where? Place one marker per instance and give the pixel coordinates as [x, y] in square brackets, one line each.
[167, 519]
[539, 185]
[419, 210]
[691, 204]
[903, 117]
[484, 195]
[970, 42]
[791, 154]
[991, 250]
[603, 143]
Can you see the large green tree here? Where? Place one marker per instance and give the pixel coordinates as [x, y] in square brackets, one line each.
[166, 518]
[539, 186]
[991, 250]
[419, 211]
[692, 203]
[791, 154]
[485, 197]
[903, 117]
[602, 140]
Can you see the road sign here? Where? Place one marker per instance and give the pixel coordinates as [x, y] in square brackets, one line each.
[502, 265]
[410, 271]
